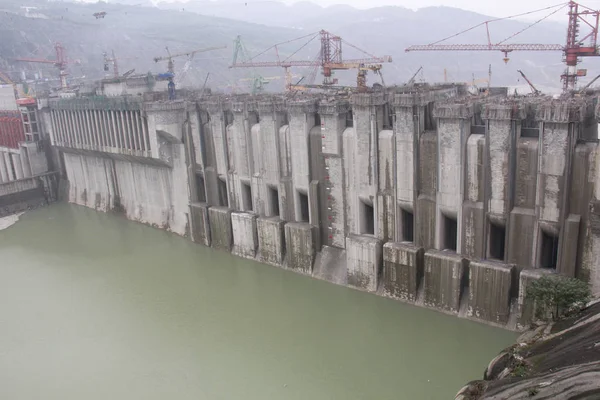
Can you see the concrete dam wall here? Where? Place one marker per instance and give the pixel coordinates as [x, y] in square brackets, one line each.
[426, 195]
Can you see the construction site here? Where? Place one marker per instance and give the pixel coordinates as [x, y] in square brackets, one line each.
[450, 196]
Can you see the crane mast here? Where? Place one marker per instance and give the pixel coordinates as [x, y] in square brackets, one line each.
[60, 62]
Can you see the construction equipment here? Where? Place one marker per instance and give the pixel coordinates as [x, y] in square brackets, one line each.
[586, 87]
[60, 62]
[169, 57]
[170, 75]
[573, 50]
[411, 81]
[329, 59]
[534, 90]
[114, 61]
[240, 51]
[21, 97]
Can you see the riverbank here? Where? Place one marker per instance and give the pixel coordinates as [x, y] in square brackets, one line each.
[555, 361]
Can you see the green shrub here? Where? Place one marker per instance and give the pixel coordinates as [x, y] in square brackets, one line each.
[557, 295]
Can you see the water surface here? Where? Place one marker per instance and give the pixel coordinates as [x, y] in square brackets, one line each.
[94, 307]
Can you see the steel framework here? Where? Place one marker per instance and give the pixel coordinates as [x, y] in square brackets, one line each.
[329, 59]
[573, 50]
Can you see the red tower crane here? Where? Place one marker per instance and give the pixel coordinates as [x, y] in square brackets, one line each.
[60, 62]
[573, 50]
[329, 59]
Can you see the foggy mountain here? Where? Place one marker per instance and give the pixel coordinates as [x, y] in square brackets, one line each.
[137, 34]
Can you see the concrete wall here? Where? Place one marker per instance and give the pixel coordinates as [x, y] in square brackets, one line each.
[419, 195]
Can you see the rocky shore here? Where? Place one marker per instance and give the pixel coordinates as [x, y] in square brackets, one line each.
[555, 361]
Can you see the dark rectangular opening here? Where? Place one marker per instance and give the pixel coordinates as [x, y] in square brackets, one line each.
[274, 201]
[222, 193]
[407, 226]
[450, 233]
[549, 251]
[304, 213]
[317, 119]
[349, 119]
[246, 197]
[367, 219]
[496, 241]
[530, 128]
[200, 188]
[429, 123]
[388, 117]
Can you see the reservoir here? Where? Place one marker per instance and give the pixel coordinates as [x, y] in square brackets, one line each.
[96, 307]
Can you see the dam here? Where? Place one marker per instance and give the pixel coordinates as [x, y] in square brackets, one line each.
[430, 194]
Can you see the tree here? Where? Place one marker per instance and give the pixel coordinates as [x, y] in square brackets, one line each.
[558, 295]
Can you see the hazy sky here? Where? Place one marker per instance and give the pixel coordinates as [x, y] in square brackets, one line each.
[489, 7]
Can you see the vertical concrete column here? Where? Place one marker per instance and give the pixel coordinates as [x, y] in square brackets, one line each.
[335, 123]
[408, 113]
[25, 164]
[68, 121]
[115, 129]
[3, 168]
[92, 129]
[16, 160]
[473, 214]
[54, 140]
[9, 166]
[244, 116]
[556, 147]
[241, 130]
[147, 143]
[132, 131]
[82, 129]
[361, 151]
[216, 171]
[66, 127]
[499, 169]
[102, 121]
[101, 129]
[57, 133]
[135, 119]
[296, 146]
[272, 117]
[122, 118]
[453, 130]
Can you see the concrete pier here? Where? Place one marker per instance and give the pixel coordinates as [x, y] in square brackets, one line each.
[402, 270]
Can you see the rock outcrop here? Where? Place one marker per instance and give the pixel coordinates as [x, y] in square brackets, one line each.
[558, 361]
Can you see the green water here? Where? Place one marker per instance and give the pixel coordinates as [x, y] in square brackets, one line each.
[96, 307]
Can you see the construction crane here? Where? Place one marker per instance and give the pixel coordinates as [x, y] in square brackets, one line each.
[534, 90]
[240, 52]
[411, 81]
[170, 75]
[573, 50]
[114, 61]
[329, 59]
[60, 62]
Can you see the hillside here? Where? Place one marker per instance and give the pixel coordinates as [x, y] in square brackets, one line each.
[144, 31]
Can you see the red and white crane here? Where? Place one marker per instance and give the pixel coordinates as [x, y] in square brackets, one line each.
[578, 45]
[61, 63]
[329, 59]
